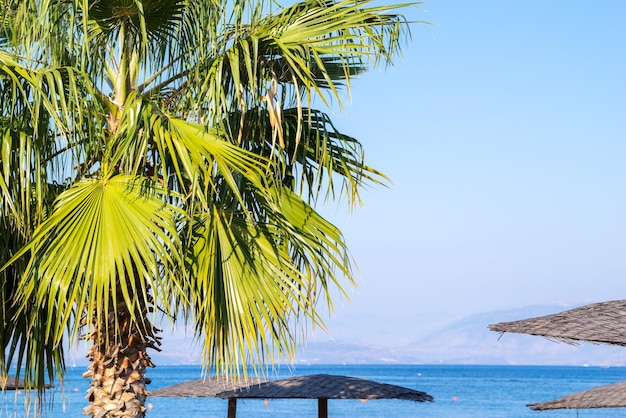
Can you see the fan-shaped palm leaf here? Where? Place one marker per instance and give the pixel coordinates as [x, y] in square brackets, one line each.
[100, 231]
[254, 278]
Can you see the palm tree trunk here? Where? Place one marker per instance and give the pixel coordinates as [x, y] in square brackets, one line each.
[117, 366]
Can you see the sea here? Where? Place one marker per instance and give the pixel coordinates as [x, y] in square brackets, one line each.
[470, 391]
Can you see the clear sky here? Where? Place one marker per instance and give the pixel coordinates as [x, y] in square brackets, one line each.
[503, 128]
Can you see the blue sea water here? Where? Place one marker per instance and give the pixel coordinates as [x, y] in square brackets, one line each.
[459, 391]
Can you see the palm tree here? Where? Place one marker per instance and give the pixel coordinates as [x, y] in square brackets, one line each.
[162, 158]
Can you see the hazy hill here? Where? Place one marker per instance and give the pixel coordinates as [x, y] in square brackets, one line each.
[469, 341]
[427, 339]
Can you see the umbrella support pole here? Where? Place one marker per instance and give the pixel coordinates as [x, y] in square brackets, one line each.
[322, 408]
[232, 407]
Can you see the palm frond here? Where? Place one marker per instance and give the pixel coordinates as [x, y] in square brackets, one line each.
[316, 153]
[149, 23]
[25, 350]
[266, 66]
[253, 279]
[101, 231]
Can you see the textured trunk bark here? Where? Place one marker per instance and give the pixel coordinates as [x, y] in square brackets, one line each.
[117, 366]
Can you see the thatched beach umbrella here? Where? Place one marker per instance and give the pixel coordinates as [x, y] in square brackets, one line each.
[207, 388]
[603, 322]
[11, 383]
[204, 388]
[324, 387]
[608, 396]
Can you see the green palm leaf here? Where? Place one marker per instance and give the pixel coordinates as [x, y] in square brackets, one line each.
[100, 231]
[254, 279]
[22, 336]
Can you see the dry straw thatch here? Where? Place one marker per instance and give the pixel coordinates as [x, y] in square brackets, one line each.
[326, 386]
[603, 322]
[318, 386]
[11, 383]
[207, 388]
[323, 387]
[608, 396]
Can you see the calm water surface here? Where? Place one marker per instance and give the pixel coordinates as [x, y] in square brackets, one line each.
[459, 391]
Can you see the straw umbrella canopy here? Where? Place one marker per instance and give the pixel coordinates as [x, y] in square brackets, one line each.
[324, 387]
[11, 383]
[207, 388]
[204, 388]
[608, 396]
[603, 322]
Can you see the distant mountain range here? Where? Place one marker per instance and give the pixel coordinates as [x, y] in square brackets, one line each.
[427, 339]
[469, 341]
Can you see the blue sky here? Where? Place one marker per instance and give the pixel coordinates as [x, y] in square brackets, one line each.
[503, 128]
